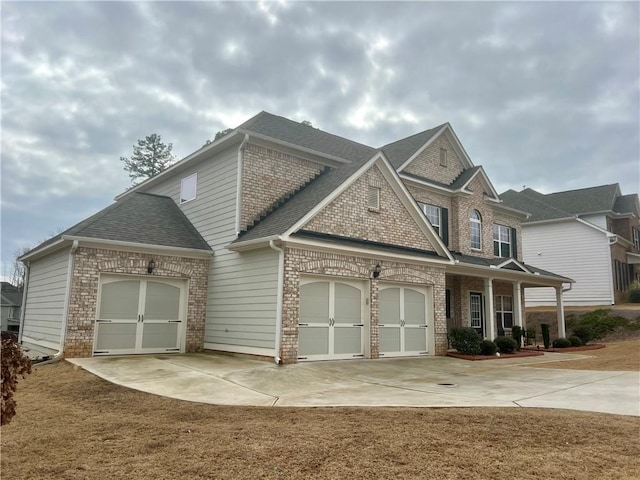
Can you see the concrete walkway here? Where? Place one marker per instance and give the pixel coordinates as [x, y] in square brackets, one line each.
[411, 382]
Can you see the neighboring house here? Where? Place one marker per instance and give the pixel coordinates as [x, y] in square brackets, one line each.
[284, 241]
[591, 235]
[11, 301]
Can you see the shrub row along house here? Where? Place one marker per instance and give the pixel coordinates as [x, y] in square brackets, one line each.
[284, 241]
[591, 235]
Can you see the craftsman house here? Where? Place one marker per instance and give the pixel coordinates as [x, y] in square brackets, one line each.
[284, 241]
[591, 235]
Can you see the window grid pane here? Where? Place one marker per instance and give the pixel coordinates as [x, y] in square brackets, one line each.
[501, 241]
[475, 228]
[433, 215]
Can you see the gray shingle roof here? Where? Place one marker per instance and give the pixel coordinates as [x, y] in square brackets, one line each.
[139, 218]
[458, 183]
[10, 294]
[296, 133]
[301, 203]
[488, 262]
[626, 204]
[400, 151]
[603, 198]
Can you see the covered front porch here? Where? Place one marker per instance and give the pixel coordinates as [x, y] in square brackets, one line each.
[488, 295]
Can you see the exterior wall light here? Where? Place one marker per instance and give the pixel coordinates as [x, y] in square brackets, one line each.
[376, 271]
[151, 266]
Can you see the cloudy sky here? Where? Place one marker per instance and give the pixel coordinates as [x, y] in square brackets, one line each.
[541, 94]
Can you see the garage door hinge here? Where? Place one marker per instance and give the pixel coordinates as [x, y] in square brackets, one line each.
[101, 351]
[171, 349]
[302, 358]
[360, 355]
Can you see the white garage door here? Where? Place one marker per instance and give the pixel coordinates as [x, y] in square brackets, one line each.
[139, 315]
[330, 324]
[403, 320]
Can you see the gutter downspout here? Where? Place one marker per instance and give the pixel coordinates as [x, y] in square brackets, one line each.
[280, 296]
[239, 182]
[65, 310]
[23, 307]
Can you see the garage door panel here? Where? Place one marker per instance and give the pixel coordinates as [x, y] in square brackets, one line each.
[120, 300]
[389, 300]
[313, 341]
[414, 307]
[389, 340]
[314, 302]
[160, 335]
[116, 336]
[348, 340]
[162, 301]
[415, 339]
[347, 307]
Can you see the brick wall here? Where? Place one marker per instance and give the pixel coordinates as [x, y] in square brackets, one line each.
[300, 262]
[268, 175]
[427, 163]
[348, 215]
[90, 262]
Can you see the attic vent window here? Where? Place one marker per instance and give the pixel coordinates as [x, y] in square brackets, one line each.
[373, 198]
[188, 187]
[443, 157]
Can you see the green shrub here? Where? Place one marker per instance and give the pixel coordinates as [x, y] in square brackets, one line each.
[531, 335]
[546, 338]
[516, 333]
[487, 347]
[465, 340]
[634, 295]
[561, 343]
[601, 323]
[505, 344]
[584, 332]
[14, 364]
[575, 341]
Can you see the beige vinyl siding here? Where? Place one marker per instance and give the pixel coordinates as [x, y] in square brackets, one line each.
[46, 295]
[574, 250]
[242, 292]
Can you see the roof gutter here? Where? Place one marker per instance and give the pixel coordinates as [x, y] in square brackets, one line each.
[140, 246]
[280, 299]
[24, 298]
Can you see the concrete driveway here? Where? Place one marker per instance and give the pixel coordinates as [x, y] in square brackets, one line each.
[410, 382]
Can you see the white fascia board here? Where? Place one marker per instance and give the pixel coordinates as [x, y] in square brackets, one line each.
[199, 154]
[494, 195]
[372, 252]
[622, 241]
[515, 262]
[139, 247]
[552, 220]
[422, 148]
[429, 186]
[252, 244]
[633, 258]
[399, 188]
[595, 227]
[293, 146]
[498, 274]
[34, 254]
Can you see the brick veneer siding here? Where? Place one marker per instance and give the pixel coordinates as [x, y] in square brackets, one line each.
[89, 263]
[348, 215]
[463, 286]
[427, 163]
[300, 262]
[268, 175]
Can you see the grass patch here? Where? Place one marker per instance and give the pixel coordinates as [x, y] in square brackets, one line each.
[73, 425]
[619, 356]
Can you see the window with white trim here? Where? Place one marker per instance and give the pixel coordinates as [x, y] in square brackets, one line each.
[636, 239]
[188, 188]
[475, 228]
[373, 198]
[504, 311]
[433, 215]
[501, 241]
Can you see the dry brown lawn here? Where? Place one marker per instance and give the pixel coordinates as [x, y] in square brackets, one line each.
[615, 356]
[73, 425]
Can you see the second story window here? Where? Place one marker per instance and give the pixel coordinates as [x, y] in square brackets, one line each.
[188, 187]
[433, 215]
[475, 229]
[501, 241]
[636, 239]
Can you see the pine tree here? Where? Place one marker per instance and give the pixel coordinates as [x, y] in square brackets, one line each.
[149, 158]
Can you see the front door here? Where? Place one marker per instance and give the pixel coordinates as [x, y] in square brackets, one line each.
[330, 324]
[402, 320]
[476, 312]
[139, 316]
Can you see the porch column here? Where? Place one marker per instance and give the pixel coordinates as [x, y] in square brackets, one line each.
[490, 321]
[560, 309]
[517, 304]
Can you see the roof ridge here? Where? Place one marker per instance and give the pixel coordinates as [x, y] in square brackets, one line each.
[411, 136]
[545, 204]
[583, 188]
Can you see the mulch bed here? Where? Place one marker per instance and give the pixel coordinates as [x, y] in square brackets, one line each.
[502, 356]
[538, 348]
